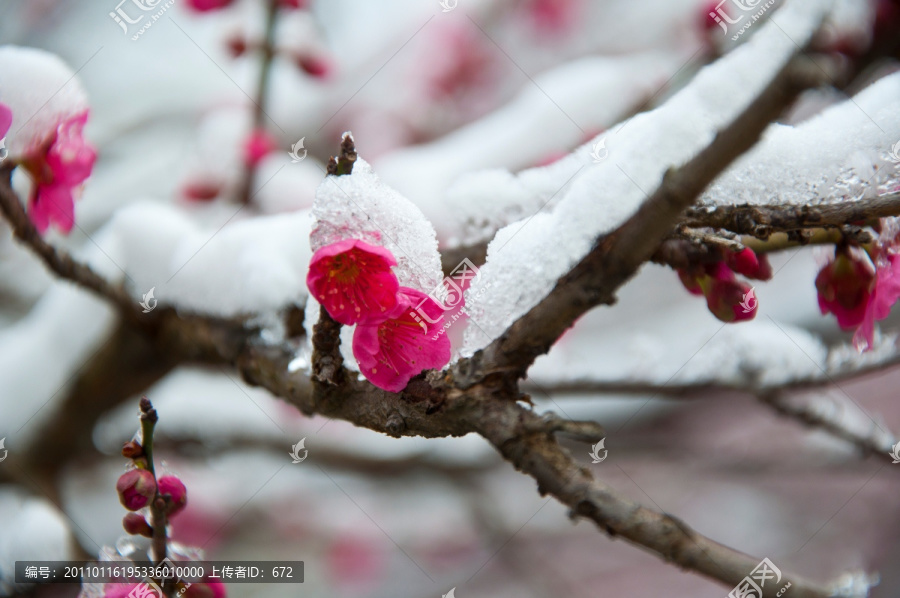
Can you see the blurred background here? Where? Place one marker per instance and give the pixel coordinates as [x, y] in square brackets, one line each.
[431, 92]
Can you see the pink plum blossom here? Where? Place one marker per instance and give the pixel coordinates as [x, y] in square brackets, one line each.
[391, 352]
[353, 281]
[58, 169]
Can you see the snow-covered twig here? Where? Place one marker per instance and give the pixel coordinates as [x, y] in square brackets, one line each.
[873, 442]
[617, 256]
[762, 221]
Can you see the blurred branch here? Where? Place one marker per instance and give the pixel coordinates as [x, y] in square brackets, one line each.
[262, 93]
[871, 443]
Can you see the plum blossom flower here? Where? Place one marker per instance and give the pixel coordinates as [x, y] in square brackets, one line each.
[57, 171]
[391, 352]
[48, 144]
[353, 281]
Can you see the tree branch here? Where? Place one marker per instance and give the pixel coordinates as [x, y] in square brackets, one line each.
[761, 221]
[617, 256]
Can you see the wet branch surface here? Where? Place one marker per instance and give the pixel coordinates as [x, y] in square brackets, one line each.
[479, 395]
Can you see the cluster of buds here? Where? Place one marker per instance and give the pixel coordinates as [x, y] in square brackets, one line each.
[728, 297]
[860, 285]
[140, 489]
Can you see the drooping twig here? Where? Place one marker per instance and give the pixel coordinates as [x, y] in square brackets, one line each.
[59, 262]
[873, 443]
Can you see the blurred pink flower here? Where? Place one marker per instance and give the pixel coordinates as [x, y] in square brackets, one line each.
[390, 353]
[353, 281]
[5, 119]
[355, 562]
[554, 17]
[58, 167]
[207, 5]
[258, 145]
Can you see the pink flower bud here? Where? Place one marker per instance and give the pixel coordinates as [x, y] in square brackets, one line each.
[136, 488]
[845, 287]
[731, 300]
[691, 281]
[315, 66]
[749, 264]
[136, 525]
[132, 450]
[201, 190]
[177, 493]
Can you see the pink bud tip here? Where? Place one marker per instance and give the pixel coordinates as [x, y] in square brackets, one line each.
[136, 488]
[136, 525]
[177, 493]
[691, 281]
[207, 5]
[315, 66]
[201, 191]
[731, 300]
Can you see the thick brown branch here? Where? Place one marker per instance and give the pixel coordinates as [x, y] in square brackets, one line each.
[761, 221]
[617, 256]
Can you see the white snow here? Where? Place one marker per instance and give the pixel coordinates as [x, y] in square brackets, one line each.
[33, 530]
[523, 268]
[230, 268]
[838, 155]
[28, 77]
[360, 206]
[552, 115]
